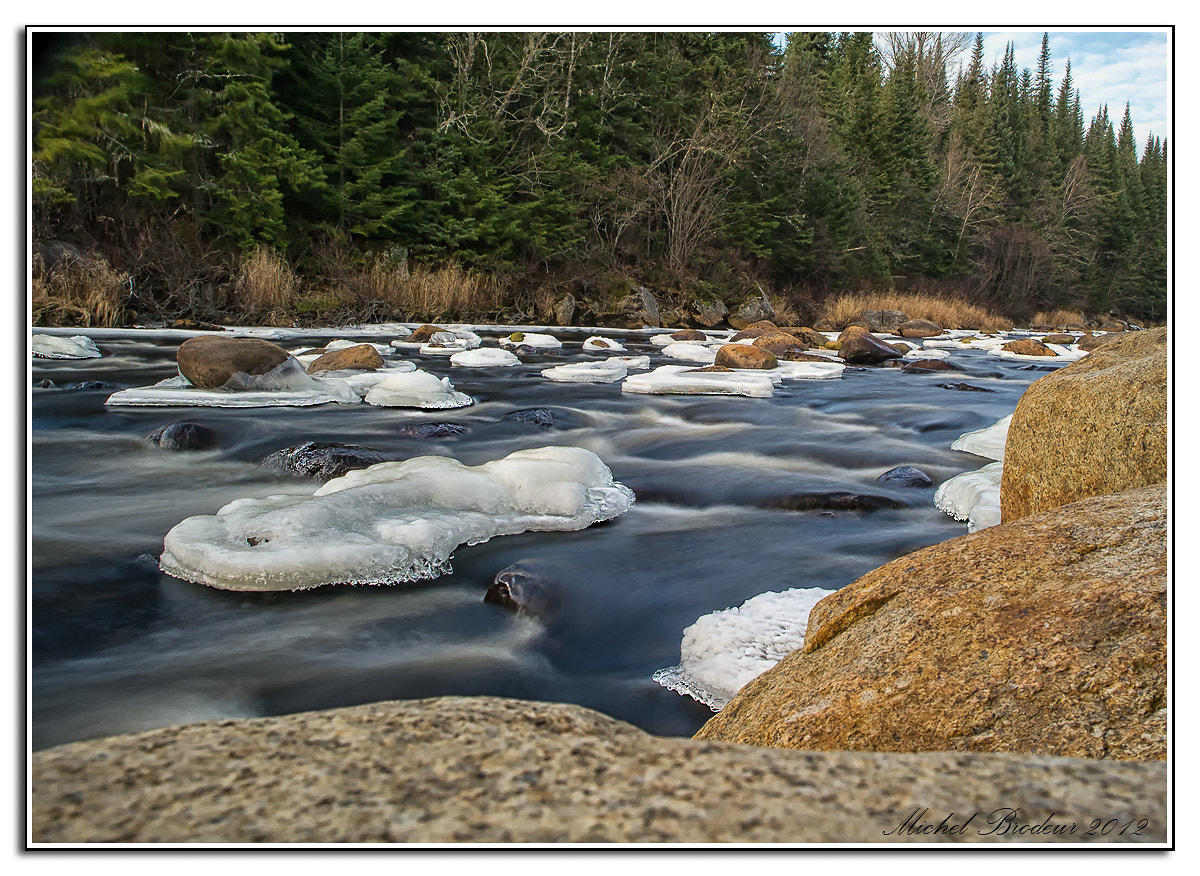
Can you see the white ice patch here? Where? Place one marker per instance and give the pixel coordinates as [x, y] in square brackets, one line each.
[295, 389]
[633, 363]
[491, 357]
[343, 344]
[918, 353]
[973, 496]
[809, 370]
[724, 651]
[690, 352]
[601, 344]
[392, 522]
[530, 339]
[446, 342]
[684, 380]
[987, 442]
[416, 389]
[607, 371]
[1062, 355]
[55, 347]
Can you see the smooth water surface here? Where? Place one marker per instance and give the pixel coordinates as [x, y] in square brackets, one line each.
[118, 646]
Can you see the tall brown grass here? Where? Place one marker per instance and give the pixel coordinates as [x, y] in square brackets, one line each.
[85, 292]
[265, 282]
[1060, 317]
[424, 292]
[950, 313]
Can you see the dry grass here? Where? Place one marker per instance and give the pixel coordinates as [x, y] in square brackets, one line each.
[785, 313]
[950, 313]
[266, 282]
[84, 292]
[1059, 317]
[423, 292]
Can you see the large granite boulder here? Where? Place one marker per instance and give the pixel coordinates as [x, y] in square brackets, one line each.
[778, 342]
[639, 308]
[1028, 347]
[211, 361]
[480, 769]
[919, 328]
[857, 346]
[1097, 426]
[1043, 636]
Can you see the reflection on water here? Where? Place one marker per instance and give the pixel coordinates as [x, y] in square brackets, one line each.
[119, 647]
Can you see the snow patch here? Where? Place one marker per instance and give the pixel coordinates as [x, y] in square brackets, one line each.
[54, 347]
[973, 496]
[685, 380]
[987, 442]
[491, 357]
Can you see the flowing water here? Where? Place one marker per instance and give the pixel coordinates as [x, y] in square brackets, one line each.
[736, 497]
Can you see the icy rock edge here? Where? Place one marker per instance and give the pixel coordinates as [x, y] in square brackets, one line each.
[393, 522]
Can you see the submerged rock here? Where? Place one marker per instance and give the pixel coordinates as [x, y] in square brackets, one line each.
[315, 459]
[534, 416]
[1046, 635]
[430, 430]
[837, 501]
[525, 588]
[183, 435]
[906, 476]
[963, 387]
[923, 365]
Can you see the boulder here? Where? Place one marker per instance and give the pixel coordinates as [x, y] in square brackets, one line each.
[1046, 635]
[211, 361]
[564, 311]
[810, 337]
[923, 365]
[183, 436]
[491, 770]
[754, 310]
[689, 335]
[778, 342]
[858, 346]
[906, 476]
[639, 308]
[709, 313]
[315, 459]
[423, 334]
[1061, 339]
[425, 431]
[883, 320]
[1091, 342]
[196, 325]
[749, 334]
[919, 328]
[1028, 347]
[745, 356]
[1097, 426]
[362, 357]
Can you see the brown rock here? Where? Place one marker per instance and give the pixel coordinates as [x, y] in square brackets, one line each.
[1058, 339]
[209, 361]
[749, 334]
[424, 334]
[778, 342]
[1097, 426]
[929, 365]
[363, 357]
[859, 347]
[1091, 342]
[484, 769]
[709, 313]
[196, 325]
[689, 335]
[804, 356]
[719, 369]
[808, 336]
[919, 328]
[1028, 347]
[745, 356]
[1046, 635]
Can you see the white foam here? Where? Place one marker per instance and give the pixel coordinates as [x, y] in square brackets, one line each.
[490, 357]
[973, 496]
[607, 371]
[684, 380]
[392, 522]
[987, 442]
[724, 651]
[416, 389]
[55, 347]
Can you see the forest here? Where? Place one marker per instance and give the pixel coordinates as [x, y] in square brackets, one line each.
[324, 175]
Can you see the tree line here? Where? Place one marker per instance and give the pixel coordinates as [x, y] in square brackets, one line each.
[688, 161]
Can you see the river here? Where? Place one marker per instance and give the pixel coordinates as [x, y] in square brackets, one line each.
[117, 646]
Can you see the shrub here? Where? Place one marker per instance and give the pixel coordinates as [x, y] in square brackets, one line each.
[84, 291]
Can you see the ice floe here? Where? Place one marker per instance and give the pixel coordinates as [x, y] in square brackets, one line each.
[300, 390]
[416, 389]
[392, 522]
[724, 651]
[687, 351]
[686, 380]
[987, 442]
[530, 339]
[1062, 355]
[973, 496]
[485, 357]
[601, 344]
[56, 347]
[606, 371]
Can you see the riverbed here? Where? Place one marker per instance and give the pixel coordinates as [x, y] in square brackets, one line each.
[736, 497]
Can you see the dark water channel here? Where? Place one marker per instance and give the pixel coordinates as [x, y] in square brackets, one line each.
[117, 646]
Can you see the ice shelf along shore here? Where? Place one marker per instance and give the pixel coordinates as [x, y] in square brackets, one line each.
[724, 651]
[392, 522]
[974, 496]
